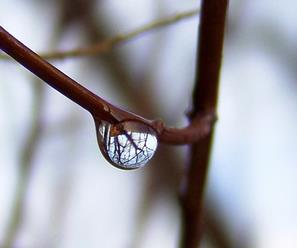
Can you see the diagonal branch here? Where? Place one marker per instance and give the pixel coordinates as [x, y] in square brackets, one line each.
[100, 109]
[210, 45]
[106, 45]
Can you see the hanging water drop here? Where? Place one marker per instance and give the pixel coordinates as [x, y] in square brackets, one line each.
[127, 145]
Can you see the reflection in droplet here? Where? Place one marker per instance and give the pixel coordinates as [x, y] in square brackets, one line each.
[127, 145]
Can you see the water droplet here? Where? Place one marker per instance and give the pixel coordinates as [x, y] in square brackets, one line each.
[127, 145]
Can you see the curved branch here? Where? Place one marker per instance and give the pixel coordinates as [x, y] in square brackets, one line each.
[197, 129]
[106, 45]
[98, 107]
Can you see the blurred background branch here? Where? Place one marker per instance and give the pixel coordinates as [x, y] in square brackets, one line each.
[106, 45]
[27, 155]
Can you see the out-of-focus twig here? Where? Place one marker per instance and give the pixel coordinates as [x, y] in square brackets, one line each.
[210, 45]
[26, 163]
[106, 45]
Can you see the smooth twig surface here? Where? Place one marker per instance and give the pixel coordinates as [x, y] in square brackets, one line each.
[99, 108]
[107, 45]
[210, 45]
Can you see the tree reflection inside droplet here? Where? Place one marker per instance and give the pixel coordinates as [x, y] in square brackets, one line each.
[128, 145]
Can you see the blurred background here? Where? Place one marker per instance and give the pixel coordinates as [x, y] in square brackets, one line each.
[56, 189]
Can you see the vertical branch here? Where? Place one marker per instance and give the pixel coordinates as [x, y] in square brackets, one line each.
[210, 45]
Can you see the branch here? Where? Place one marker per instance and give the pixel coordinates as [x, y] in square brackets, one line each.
[99, 108]
[210, 45]
[106, 45]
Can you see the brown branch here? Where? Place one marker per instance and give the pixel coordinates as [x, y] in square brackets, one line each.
[108, 44]
[53, 76]
[197, 129]
[210, 45]
[99, 108]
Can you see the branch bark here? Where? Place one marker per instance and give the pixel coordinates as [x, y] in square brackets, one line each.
[210, 45]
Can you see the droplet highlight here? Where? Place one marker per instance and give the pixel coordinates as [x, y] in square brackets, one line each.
[127, 145]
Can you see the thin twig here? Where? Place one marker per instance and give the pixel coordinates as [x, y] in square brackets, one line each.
[210, 45]
[98, 107]
[106, 45]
